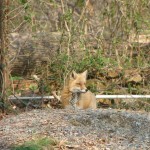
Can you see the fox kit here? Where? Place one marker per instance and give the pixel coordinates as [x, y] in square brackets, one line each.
[76, 94]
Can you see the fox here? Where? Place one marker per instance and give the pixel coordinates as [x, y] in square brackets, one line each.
[76, 94]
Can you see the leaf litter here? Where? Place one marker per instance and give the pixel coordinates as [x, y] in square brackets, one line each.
[81, 129]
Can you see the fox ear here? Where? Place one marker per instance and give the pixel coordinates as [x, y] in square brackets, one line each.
[73, 75]
[85, 74]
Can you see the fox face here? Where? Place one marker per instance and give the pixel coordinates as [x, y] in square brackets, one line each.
[77, 82]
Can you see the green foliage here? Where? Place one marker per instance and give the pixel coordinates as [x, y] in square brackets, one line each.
[80, 3]
[27, 18]
[61, 66]
[28, 12]
[16, 78]
[1, 103]
[136, 105]
[39, 144]
[23, 1]
[28, 147]
[25, 4]
[90, 62]
[33, 87]
[68, 15]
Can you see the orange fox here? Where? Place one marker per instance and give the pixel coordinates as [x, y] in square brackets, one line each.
[76, 94]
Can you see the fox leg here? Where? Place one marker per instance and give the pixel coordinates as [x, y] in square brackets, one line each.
[55, 95]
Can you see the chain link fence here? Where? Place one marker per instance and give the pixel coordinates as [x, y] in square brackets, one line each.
[47, 37]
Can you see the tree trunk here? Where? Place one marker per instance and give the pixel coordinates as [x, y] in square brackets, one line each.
[3, 52]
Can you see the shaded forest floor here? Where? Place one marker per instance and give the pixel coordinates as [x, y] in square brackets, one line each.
[80, 130]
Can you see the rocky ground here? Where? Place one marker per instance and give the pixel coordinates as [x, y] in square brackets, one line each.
[103, 129]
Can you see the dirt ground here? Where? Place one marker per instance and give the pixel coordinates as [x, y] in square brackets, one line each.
[103, 129]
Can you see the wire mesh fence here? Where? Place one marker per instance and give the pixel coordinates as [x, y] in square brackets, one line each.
[51, 37]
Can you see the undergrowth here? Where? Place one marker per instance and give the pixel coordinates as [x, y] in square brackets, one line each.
[38, 144]
[64, 64]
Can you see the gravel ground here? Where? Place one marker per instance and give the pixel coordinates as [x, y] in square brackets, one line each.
[103, 129]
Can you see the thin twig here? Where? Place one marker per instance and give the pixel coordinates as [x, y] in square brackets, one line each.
[67, 28]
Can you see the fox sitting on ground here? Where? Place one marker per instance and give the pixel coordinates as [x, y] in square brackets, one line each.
[76, 94]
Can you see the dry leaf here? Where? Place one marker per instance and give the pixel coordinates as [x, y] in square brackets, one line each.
[104, 101]
[133, 75]
[62, 145]
[136, 78]
[102, 141]
[113, 73]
